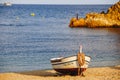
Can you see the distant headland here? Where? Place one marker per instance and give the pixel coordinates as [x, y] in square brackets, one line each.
[98, 20]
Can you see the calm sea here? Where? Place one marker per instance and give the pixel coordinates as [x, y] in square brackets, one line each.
[29, 42]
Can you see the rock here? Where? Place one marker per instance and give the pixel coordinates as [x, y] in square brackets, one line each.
[76, 23]
[109, 19]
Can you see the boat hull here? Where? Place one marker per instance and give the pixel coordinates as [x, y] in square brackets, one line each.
[69, 65]
[7, 4]
[71, 71]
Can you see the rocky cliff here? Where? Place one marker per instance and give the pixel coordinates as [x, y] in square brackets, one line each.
[109, 19]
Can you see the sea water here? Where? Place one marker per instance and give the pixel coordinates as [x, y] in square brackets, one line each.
[29, 42]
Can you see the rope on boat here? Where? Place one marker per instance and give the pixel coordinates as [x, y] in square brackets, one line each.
[81, 61]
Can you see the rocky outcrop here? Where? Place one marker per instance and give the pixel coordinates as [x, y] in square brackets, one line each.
[109, 19]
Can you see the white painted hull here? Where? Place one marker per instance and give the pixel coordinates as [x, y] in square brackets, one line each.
[64, 64]
[7, 4]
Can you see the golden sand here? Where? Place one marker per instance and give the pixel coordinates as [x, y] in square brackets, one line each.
[102, 73]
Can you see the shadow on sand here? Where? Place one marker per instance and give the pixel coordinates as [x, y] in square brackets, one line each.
[116, 67]
[45, 73]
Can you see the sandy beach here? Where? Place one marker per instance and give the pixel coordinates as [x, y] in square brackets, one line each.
[101, 73]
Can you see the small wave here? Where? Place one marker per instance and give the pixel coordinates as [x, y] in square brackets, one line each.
[12, 25]
[6, 24]
[20, 25]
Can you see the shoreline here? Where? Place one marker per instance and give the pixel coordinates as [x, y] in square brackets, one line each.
[97, 73]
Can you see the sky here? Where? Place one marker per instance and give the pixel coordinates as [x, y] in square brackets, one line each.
[60, 1]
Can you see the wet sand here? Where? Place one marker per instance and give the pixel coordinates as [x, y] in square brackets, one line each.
[101, 73]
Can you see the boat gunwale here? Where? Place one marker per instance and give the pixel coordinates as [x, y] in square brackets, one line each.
[69, 56]
[58, 63]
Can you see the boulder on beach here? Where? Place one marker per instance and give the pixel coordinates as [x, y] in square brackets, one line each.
[109, 19]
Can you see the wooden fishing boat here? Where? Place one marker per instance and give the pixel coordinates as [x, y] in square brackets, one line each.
[69, 65]
[72, 64]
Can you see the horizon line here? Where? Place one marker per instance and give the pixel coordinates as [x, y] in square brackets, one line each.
[54, 4]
